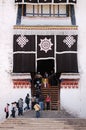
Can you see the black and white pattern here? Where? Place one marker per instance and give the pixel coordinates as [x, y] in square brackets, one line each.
[69, 41]
[66, 57]
[22, 41]
[66, 43]
[24, 53]
[45, 45]
[30, 48]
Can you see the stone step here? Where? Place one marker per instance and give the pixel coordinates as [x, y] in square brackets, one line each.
[49, 120]
[29, 124]
[43, 124]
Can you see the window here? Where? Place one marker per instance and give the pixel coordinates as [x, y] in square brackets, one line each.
[47, 10]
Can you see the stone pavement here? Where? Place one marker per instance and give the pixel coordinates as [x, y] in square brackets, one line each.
[49, 120]
[48, 114]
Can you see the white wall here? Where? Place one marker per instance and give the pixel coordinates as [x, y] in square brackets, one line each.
[7, 20]
[74, 100]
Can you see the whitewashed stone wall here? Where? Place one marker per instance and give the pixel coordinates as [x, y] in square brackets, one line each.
[7, 19]
[74, 100]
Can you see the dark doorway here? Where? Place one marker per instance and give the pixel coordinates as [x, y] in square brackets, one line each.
[45, 66]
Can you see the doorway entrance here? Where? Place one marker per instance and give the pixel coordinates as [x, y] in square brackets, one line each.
[45, 66]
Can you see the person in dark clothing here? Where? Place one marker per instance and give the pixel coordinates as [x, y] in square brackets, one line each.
[13, 109]
[27, 101]
[41, 102]
[38, 81]
[33, 100]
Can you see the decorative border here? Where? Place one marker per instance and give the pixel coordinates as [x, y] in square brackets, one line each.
[21, 84]
[69, 84]
[45, 27]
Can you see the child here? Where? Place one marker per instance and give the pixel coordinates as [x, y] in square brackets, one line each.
[13, 109]
[48, 102]
[6, 109]
[37, 109]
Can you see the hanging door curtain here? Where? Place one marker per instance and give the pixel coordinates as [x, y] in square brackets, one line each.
[66, 53]
[24, 53]
[46, 1]
[63, 49]
[45, 46]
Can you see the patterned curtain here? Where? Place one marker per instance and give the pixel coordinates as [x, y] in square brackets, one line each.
[23, 49]
[45, 46]
[25, 52]
[24, 43]
[66, 53]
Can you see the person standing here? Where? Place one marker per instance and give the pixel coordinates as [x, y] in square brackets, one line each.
[41, 102]
[14, 108]
[37, 109]
[33, 101]
[27, 101]
[6, 109]
[20, 106]
[48, 102]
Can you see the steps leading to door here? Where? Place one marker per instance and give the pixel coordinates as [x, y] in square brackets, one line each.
[43, 124]
[54, 94]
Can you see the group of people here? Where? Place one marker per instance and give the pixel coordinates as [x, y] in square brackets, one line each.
[37, 104]
[17, 107]
[45, 80]
[40, 104]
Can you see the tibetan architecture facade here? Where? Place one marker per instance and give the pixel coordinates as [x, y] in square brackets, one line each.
[40, 36]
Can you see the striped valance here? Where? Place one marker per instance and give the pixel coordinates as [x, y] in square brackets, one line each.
[47, 1]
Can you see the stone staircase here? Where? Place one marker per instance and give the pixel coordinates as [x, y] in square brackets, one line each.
[54, 94]
[43, 124]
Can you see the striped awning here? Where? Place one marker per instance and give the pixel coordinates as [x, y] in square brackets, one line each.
[47, 1]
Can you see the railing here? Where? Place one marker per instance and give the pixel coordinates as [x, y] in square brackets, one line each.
[46, 1]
